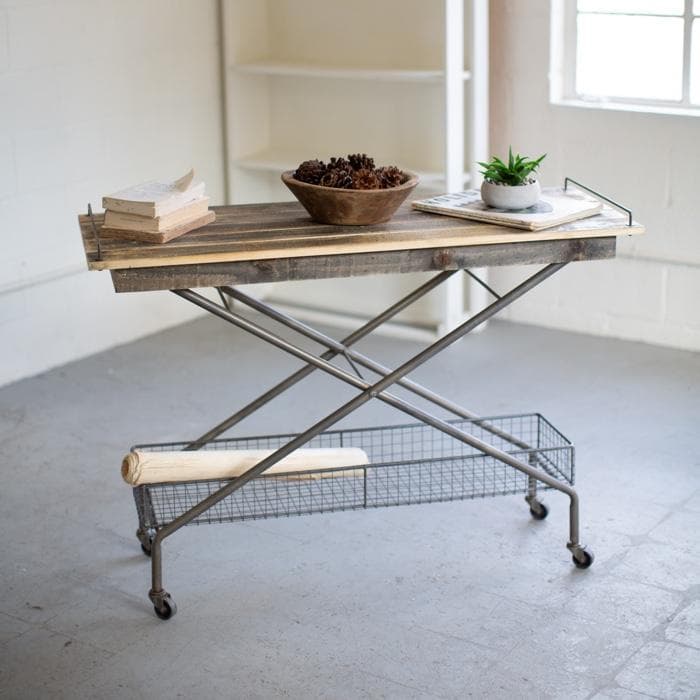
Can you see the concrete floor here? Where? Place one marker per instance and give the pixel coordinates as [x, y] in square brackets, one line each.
[468, 599]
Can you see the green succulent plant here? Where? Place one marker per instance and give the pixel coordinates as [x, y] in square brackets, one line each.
[516, 172]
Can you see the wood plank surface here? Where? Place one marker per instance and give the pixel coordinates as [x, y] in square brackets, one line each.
[283, 230]
[357, 264]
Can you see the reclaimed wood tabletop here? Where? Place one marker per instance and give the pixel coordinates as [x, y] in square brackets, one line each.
[276, 241]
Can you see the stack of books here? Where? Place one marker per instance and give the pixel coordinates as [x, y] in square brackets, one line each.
[157, 211]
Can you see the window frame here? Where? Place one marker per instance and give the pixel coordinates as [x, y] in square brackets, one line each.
[563, 51]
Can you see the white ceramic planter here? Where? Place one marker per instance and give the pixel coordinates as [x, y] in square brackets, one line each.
[510, 197]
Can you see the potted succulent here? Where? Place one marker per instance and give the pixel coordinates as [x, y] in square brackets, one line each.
[511, 186]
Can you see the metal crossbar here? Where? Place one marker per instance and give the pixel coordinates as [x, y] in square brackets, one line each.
[521, 457]
[309, 368]
[350, 355]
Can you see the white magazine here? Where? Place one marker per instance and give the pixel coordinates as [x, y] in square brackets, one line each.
[555, 207]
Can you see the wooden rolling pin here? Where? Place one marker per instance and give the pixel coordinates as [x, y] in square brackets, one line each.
[161, 467]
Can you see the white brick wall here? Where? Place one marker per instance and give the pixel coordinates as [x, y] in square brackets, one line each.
[683, 297]
[94, 96]
[8, 172]
[651, 291]
[627, 298]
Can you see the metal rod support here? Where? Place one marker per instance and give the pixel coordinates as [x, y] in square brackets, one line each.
[224, 299]
[376, 390]
[339, 348]
[369, 391]
[478, 280]
[300, 374]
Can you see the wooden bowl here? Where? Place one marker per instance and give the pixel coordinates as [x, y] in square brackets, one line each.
[334, 205]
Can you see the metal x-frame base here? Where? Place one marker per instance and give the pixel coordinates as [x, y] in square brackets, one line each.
[536, 471]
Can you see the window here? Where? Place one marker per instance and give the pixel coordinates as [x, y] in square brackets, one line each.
[643, 54]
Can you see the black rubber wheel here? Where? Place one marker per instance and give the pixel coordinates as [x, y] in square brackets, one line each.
[539, 512]
[142, 536]
[167, 610]
[584, 563]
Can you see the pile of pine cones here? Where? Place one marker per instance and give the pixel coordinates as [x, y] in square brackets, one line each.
[356, 172]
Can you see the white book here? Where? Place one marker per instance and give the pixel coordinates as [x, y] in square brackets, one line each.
[155, 198]
[160, 224]
[554, 208]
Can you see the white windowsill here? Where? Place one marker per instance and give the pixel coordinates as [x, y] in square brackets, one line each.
[628, 107]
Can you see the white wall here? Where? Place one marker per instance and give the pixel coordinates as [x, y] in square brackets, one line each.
[651, 292]
[94, 96]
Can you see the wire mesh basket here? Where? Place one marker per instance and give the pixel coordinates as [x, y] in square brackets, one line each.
[408, 464]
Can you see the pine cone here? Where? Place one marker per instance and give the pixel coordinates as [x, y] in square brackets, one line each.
[338, 177]
[390, 176]
[310, 171]
[365, 179]
[339, 164]
[361, 161]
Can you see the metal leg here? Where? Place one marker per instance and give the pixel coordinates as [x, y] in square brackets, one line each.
[368, 391]
[531, 486]
[144, 508]
[340, 348]
[538, 510]
[145, 537]
[300, 374]
[582, 557]
[163, 605]
[376, 390]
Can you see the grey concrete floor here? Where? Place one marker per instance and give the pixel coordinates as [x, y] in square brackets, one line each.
[467, 599]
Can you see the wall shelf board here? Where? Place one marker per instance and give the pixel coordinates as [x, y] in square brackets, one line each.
[279, 161]
[302, 70]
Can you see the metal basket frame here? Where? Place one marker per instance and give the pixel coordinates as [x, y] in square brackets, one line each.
[409, 464]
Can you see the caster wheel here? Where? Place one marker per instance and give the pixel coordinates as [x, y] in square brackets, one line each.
[145, 539]
[584, 560]
[538, 511]
[166, 609]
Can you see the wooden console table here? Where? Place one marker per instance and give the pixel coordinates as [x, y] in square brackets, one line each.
[436, 459]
